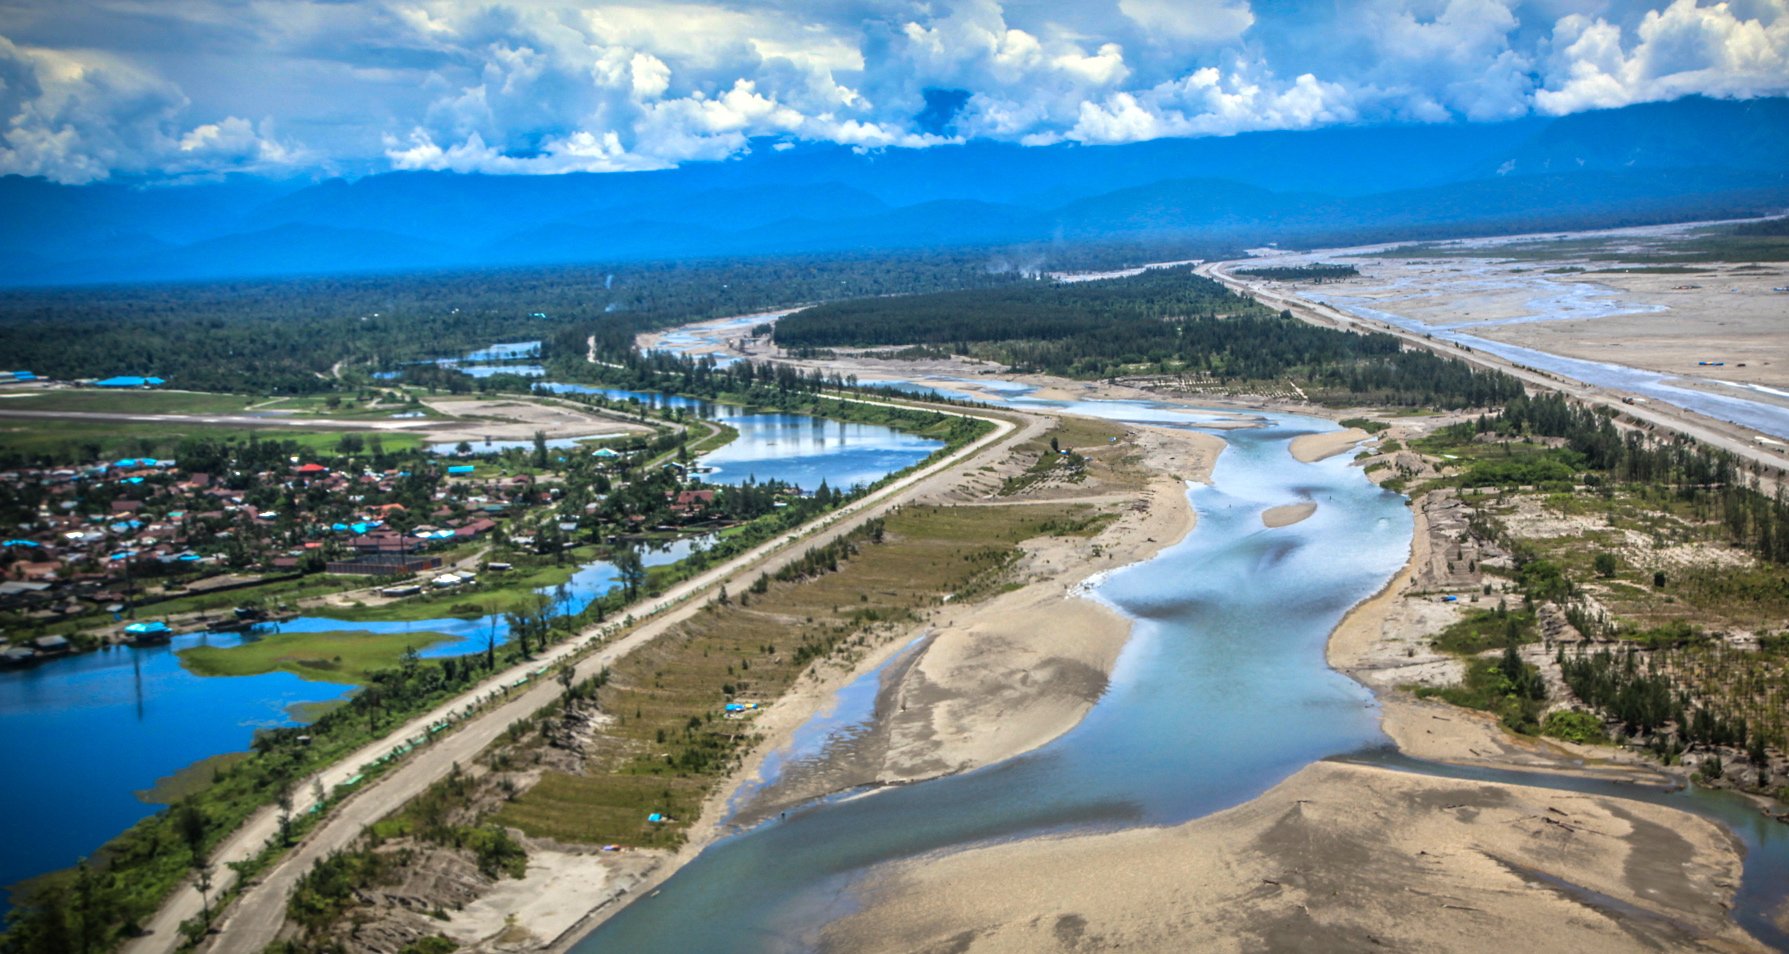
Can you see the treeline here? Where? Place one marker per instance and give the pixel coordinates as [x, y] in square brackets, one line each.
[1039, 310]
[1766, 227]
[1167, 319]
[1712, 479]
[287, 337]
[1314, 272]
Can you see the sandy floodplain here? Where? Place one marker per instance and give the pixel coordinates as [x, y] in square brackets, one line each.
[1310, 448]
[1336, 858]
[992, 680]
[512, 419]
[1342, 856]
[1601, 296]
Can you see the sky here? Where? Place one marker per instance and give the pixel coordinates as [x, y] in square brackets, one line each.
[96, 90]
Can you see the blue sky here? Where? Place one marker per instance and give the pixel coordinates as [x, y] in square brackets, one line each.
[98, 89]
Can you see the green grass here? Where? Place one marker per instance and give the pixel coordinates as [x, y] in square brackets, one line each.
[511, 591]
[1487, 689]
[81, 440]
[344, 656]
[668, 746]
[1364, 423]
[1573, 725]
[191, 780]
[129, 402]
[1483, 630]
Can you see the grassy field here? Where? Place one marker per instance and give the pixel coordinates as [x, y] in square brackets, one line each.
[100, 401]
[512, 591]
[669, 743]
[344, 656]
[191, 780]
[81, 440]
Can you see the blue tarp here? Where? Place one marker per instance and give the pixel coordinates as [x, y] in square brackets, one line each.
[21, 543]
[462, 468]
[146, 629]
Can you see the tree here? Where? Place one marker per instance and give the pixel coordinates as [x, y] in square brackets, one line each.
[631, 570]
[1605, 565]
[540, 449]
[202, 884]
[283, 799]
[189, 820]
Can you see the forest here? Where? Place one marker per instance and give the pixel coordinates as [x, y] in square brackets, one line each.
[286, 337]
[1165, 320]
[1680, 466]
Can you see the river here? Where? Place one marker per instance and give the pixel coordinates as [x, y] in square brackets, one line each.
[81, 736]
[1221, 693]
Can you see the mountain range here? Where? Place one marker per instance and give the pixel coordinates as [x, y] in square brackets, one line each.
[1692, 158]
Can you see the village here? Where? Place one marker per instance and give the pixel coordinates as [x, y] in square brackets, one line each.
[228, 535]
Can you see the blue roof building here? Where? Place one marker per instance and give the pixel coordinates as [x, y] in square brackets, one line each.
[129, 381]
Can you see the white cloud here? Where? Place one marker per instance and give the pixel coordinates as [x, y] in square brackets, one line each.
[1197, 21]
[116, 87]
[83, 116]
[1684, 48]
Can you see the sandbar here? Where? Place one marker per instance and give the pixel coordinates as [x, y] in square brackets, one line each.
[1285, 515]
[1311, 448]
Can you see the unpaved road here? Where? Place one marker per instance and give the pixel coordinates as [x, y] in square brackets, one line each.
[255, 919]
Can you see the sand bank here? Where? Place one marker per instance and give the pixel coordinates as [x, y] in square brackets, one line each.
[1343, 856]
[1285, 515]
[1315, 447]
[1337, 857]
[999, 678]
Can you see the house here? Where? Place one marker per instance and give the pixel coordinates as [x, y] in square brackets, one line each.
[474, 527]
[384, 541]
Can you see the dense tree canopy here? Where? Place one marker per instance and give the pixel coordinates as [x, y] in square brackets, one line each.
[1163, 320]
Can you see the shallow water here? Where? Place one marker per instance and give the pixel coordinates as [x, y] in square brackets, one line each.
[1221, 693]
[1760, 416]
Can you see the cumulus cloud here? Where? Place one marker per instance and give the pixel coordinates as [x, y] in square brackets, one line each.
[1684, 48]
[120, 87]
[1201, 21]
[82, 117]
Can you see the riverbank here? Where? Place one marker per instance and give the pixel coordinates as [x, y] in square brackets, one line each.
[986, 680]
[999, 678]
[1337, 857]
[1348, 856]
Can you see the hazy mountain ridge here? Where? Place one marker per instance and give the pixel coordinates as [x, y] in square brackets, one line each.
[1642, 163]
